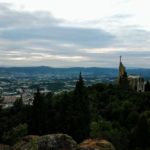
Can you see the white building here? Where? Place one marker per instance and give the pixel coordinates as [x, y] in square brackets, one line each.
[137, 83]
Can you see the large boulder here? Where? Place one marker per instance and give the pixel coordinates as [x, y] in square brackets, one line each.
[47, 142]
[94, 144]
[4, 147]
[56, 142]
[29, 142]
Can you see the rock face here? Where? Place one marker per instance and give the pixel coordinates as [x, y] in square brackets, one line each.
[58, 142]
[4, 147]
[91, 144]
[47, 142]
[27, 143]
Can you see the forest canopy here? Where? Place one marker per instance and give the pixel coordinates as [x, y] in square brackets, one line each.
[103, 111]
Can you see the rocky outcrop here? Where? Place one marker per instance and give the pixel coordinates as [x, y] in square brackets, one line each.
[47, 142]
[4, 147]
[92, 144]
[58, 142]
[27, 143]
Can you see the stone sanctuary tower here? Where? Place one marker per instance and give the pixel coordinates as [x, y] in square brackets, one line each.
[122, 78]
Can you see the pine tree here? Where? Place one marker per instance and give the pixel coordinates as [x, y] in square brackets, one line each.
[79, 89]
[140, 135]
[147, 86]
[18, 105]
[37, 113]
[80, 119]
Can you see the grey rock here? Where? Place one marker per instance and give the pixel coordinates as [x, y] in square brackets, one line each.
[4, 147]
[46, 142]
[94, 144]
[56, 142]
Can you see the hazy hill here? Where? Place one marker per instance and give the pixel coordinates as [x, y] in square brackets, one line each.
[111, 72]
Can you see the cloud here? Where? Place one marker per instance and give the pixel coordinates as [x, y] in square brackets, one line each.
[10, 18]
[16, 25]
[134, 38]
[37, 38]
[84, 37]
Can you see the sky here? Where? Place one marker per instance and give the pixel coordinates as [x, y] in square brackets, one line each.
[71, 33]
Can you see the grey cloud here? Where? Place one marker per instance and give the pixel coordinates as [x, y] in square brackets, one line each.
[33, 38]
[130, 59]
[84, 37]
[38, 25]
[120, 17]
[10, 18]
[135, 38]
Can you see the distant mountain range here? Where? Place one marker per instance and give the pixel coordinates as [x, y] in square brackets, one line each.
[89, 71]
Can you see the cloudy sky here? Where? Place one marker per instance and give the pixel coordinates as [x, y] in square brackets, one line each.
[68, 33]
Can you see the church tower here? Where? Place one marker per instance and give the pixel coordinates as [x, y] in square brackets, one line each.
[122, 78]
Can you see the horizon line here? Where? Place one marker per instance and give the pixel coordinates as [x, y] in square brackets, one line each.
[67, 67]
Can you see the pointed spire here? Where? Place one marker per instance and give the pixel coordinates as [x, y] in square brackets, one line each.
[120, 58]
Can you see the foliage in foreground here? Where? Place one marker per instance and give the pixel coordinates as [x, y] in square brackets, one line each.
[100, 111]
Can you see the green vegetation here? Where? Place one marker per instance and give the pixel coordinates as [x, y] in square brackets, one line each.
[15, 134]
[117, 114]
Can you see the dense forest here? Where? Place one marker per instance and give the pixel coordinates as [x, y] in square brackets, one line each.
[103, 111]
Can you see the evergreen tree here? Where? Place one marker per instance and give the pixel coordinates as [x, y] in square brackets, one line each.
[63, 113]
[49, 114]
[80, 117]
[140, 135]
[147, 86]
[80, 88]
[38, 115]
[18, 105]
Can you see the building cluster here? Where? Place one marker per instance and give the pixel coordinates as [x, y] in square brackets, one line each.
[135, 82]
[8, 100]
